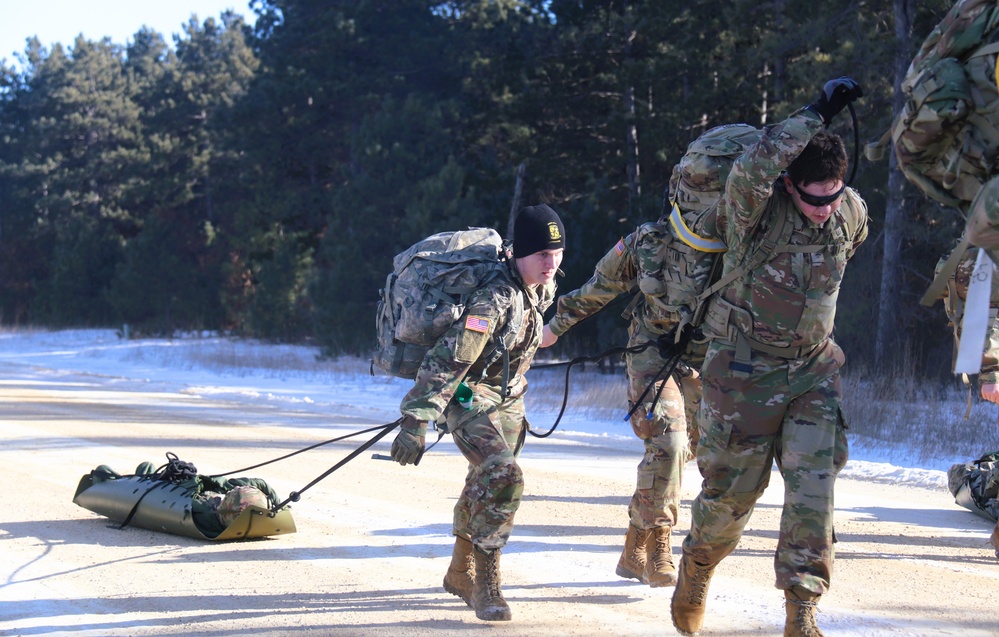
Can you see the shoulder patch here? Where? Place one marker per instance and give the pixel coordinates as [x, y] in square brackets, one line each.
[477, 323]
[619, 247]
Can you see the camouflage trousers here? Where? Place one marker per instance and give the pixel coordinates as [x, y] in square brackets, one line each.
[657, 494]
[785, 410]
[490, 436]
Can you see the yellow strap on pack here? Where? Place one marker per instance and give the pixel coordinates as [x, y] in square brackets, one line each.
[691, 238]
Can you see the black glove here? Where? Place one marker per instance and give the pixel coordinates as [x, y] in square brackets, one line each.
[409, 443]
[835, 95]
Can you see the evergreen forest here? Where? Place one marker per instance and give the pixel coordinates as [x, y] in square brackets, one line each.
[257, 179]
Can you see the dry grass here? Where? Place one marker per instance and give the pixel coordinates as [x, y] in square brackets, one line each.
[894, 413]
[901, 414]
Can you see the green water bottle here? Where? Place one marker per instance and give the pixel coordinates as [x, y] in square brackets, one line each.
[464, 395]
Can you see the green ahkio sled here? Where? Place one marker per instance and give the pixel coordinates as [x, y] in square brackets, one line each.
[176, 499]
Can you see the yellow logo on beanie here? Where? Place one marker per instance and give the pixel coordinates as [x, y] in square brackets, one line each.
[553, 232]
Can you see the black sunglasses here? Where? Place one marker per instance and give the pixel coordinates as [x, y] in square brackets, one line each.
[818, 202]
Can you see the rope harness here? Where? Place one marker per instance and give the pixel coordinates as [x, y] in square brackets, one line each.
[669, 347]
[176, 471]
[295, 496]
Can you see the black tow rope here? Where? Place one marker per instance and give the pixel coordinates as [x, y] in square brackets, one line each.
[295, 496]
[856, 143]
[635, 349]
[676, 353]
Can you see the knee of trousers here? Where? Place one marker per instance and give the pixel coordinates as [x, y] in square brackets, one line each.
[669, 442]
[498, 473]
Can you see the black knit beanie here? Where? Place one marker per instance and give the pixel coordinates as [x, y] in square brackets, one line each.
[537, 228]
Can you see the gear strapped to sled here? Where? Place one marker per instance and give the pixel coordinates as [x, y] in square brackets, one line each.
[176, 499]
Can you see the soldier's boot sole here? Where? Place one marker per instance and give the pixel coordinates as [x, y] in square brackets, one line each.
[494, 610]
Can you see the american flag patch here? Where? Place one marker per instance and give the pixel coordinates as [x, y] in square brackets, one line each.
[477, 324]
[619, 247]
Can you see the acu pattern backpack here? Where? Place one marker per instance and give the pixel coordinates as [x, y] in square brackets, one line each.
[946, 138]
[427, 291]
[676, 254]
[678, 268]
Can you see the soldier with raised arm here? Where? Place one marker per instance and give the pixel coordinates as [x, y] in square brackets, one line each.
[771, 384]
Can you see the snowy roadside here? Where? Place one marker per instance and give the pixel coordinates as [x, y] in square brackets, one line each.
[373, 541]
[293, 377]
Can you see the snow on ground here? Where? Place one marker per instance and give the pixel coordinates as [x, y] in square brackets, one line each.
[914, 534]
[293, 376]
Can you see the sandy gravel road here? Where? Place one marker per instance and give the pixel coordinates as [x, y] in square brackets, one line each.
[373, 539]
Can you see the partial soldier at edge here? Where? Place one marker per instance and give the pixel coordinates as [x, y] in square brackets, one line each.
[954, 297]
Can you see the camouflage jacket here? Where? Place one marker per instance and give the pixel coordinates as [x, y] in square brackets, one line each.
[616, 273]
[790, 300]
[954, 298]
[461, 352]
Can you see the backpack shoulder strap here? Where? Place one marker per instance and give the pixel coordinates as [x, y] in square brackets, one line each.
[944, 275]
[774, 241]
[691, 238]
[503, 339]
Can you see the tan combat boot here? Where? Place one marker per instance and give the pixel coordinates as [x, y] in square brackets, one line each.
[659, 567]
[633, 557]
[800, 605]
[687, 606]
[487, 598]
[460, 577]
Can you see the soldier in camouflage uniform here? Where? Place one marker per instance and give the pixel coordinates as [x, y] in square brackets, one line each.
[771, 372]
[954, 297]
[968, 25]
[661, 424]
[491, 430]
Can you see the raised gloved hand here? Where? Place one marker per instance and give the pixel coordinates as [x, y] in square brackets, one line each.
[409, 443]
[835, 95]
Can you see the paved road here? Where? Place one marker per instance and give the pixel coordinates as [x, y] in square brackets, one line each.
[373, 539]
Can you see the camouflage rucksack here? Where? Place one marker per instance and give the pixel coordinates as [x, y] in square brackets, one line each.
[676, 255]
[975, 485]
[946, 137]
[426, 293]
[699, 177]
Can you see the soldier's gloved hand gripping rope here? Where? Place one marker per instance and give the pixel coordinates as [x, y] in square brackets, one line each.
[834, 97]
[410, 442]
